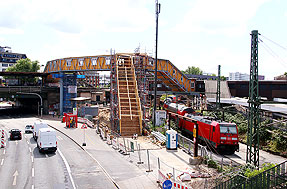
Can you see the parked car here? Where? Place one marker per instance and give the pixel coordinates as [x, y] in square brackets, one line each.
[37, 126]
[15, 134]
[29, 129]
[47, 140]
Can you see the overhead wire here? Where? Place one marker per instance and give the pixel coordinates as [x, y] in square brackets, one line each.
[272, 53]
[274, 42]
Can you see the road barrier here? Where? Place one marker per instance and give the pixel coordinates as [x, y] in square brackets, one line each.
[162, 178]
[3, 133]
[2, 143]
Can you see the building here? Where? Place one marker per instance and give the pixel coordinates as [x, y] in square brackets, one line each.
[280, 77]
[8, 58]
[237, 76]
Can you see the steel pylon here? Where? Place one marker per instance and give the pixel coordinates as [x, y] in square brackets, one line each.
[252, 154]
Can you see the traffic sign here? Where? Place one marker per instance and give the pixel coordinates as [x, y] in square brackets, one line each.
[167, 184]
[194, 132]
[84, 126]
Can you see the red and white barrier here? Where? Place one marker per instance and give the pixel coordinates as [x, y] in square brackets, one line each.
[162, 178]
[109, 142]
[115, 144]
[122, 149]
[2, 135]
[2, 145]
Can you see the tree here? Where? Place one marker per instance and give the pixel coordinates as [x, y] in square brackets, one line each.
[193, 70]
[25, 65]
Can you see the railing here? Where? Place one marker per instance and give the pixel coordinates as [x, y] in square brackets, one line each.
[272, 178]
[137, 95]
[14, 89]
[119, 100]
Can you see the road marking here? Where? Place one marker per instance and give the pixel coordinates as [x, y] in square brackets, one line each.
[2, 161]
[16, 142]
[46, 155]
[15, 178]
[59, 137]
[32, 159]
[25, 136]
[32, 186]
[30, 149]
[27, 142]
[33, 173]
[68, 168]
[4, 151]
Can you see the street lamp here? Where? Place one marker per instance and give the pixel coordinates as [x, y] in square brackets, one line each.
[40, 100]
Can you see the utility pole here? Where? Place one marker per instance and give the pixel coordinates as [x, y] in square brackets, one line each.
[157, 11]
[252, 154]
[218, 89]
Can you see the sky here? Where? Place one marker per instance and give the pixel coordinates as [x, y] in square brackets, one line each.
[201, 33]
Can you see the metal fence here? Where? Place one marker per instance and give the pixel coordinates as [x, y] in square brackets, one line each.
[275, 177]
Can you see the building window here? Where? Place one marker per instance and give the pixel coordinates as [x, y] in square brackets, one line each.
[94, 61]
[4, 65]
[151, 61]
[192, 85]
[108, 61]
[69, 62]
[81, 62]
[11, 64]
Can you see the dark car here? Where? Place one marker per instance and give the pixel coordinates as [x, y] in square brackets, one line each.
[15, 134]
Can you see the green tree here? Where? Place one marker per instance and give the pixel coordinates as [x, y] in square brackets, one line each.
[193, 70]
[25, 65]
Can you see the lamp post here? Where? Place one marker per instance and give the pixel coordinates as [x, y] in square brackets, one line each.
[41, 100]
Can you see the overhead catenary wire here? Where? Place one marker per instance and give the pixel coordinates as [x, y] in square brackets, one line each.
[272, 53]
[281, 46]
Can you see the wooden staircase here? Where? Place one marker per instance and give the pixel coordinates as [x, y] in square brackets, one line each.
[130, 112]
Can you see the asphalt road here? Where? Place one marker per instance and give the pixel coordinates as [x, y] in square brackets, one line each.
[22, 166]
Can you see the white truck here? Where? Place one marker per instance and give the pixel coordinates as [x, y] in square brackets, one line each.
[47, 140]
[38, 125]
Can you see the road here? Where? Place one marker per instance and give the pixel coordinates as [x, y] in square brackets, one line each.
[22, 166]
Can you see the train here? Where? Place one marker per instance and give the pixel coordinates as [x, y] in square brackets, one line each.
[218, 135]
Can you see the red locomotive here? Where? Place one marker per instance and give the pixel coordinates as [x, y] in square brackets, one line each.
[221, 136]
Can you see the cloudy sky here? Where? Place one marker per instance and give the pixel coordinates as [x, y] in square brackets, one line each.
[202, 33]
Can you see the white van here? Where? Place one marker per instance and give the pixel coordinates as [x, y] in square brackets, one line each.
[38, 125]
[47, 140]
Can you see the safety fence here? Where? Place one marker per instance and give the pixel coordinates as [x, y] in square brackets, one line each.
[145, 159]
[188, 146]
[275, 177]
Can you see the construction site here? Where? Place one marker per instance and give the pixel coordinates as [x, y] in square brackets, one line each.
[139, 85]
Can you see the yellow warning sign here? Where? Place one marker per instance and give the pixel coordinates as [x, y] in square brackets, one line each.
[194, 132]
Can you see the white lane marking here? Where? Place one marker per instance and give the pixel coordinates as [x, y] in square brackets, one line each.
[15, 178]
[59, 137]
[32, 186]
[30, 149]
[27, 142]
[46, 155]
[4, 151]
[16, 142]
[33, 172]
[32, 159]
[25, 136]
[2, 161]
[68, 168]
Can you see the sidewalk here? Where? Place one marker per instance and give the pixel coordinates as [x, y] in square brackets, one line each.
[126, 170]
